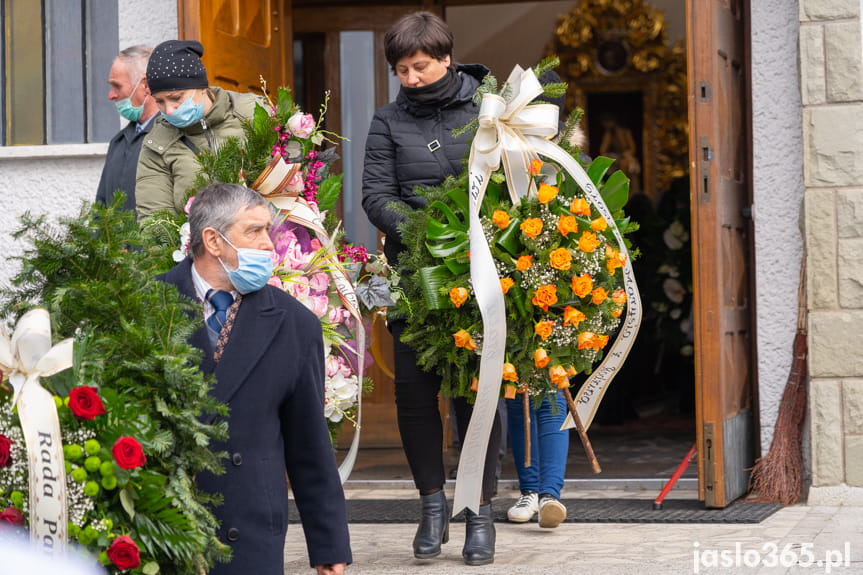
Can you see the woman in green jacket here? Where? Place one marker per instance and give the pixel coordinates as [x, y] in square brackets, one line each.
[194, 117]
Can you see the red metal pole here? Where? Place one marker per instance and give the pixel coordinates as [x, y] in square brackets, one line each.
[657, 503]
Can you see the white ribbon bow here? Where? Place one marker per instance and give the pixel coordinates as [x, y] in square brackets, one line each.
[504, 127]
[26, 357]
[29, 355]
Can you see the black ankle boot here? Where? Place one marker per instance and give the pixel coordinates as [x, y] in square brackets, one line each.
[479, 536]
[434, 526]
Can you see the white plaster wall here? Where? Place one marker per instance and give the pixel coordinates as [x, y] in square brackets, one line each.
[43, 180]
[147, 21]
[55, 180]
[778, 193]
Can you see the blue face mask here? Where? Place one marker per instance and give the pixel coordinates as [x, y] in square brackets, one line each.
[127, 110]
[186, 113]
[254, 269]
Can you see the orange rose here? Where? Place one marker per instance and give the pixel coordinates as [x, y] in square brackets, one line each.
[531, 227]
[586, 340]
[614, 259]
[523, 263]
[572, 316]
[463, 339]
[598, 225]
[615, 312]
[567, 224]
[570, 371]
[599, 295]
[558, 376]
[474, 384]
[546, 193]
[601, 341]
[540, 358]
[582, 285]
[545, 296]
[509, 391]
[580, 207]
[509, 373]
[543, 329]
[561, 259]
[501, 219]
[505, 284]
[619, 297]
[458, 295]
[588, 242]
[535, 167]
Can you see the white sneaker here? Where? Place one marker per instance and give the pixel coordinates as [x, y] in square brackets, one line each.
[525, 508]
[551, 512]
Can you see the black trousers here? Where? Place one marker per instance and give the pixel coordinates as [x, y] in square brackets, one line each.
[420, 424]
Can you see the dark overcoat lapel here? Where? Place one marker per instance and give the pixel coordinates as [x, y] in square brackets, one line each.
[258, 321]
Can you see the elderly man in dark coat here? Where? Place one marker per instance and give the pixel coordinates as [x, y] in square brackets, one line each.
[130, 94]
[267, 352]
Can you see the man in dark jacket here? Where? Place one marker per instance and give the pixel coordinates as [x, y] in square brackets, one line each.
[267, 352]
[130, 94]
[411, 144]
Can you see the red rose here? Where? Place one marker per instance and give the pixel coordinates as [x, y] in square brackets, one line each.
[85, 402]
[5, 446]
[12, 516]
[124, 553]
[128, 453]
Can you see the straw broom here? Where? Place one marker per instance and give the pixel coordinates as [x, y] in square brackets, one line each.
[778, 476]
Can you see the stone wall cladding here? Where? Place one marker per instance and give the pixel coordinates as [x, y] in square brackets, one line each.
[814, 82]
[828, 9]
[820, 217]
[150, 22]
[833, 221]
[844, 71]
[825, 400]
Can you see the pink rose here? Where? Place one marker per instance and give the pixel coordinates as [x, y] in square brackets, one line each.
[332, 365]
[299, 287]
[275, 281]
[320, 282]
[337, 314]
[188, 205]
[318, 304]
[296, 184]
[294, 256]
[316, 244]
[301, 125]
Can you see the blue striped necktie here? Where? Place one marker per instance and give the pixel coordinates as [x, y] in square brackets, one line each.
[221, 301]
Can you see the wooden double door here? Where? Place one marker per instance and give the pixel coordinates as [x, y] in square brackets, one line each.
[248, 38]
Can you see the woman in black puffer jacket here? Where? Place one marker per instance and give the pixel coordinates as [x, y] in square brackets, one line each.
[410, 144]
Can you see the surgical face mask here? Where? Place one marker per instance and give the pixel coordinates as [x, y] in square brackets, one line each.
[126, 109]
[254, 269]
[186, 114]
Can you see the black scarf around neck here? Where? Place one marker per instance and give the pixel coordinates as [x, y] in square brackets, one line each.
[437, 93]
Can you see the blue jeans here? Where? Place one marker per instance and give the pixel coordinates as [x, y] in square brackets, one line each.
[548, 444]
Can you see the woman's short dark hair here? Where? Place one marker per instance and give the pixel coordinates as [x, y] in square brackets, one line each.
[417, 31]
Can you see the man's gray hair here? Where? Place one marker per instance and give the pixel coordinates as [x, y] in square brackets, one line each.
[217, 206]
[135, 58]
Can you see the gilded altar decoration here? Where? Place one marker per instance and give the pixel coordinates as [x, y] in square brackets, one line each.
[617, 47]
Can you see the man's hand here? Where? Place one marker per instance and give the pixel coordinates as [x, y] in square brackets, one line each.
[331, 569]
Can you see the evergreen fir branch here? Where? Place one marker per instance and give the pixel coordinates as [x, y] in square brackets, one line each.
[546, 65]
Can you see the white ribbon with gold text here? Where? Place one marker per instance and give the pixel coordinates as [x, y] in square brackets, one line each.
[515, 133]
[298, 211]
[26, 357]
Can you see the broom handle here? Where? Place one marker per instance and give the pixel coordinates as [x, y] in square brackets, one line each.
[801, 296]
[582, 434]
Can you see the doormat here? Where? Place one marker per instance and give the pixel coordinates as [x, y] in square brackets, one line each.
[577, 511]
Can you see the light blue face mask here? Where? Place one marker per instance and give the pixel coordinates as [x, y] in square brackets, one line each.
[254, 269]
[186, 113]
[126, 109]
